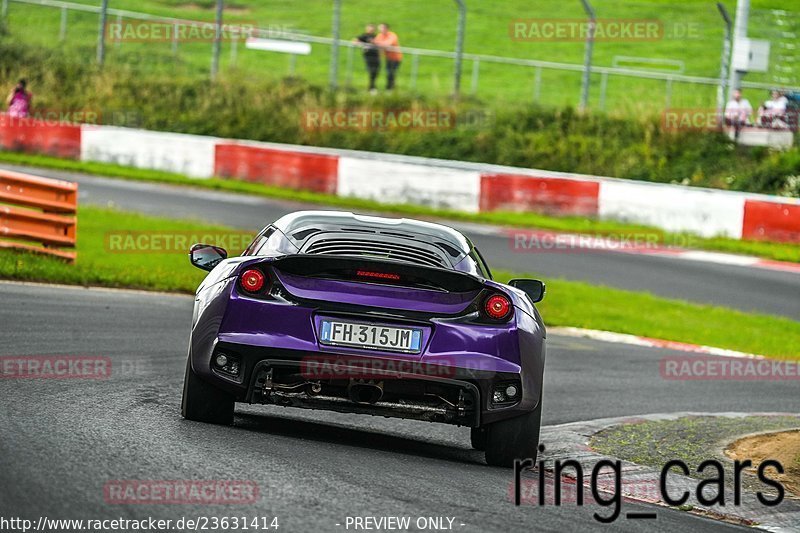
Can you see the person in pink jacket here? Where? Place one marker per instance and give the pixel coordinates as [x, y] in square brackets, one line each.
[19, 101]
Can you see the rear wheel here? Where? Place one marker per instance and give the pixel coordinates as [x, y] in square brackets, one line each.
[515, 438]
[477, 437]
[203, 402]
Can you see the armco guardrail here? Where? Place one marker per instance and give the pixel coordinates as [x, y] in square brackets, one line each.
[38, 214]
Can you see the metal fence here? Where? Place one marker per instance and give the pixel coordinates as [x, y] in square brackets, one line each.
[534, 82]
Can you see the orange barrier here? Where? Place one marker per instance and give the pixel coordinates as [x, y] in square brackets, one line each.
[40, 210]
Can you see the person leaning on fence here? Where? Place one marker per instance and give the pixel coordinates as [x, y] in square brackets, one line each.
[372, 55]
[389, 43]
[737, 112]
[19, 101]
[772, 113]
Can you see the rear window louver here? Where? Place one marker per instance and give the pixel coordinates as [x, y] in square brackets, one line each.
[393, 249]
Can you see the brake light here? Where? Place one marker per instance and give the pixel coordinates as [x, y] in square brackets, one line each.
[377, 275]
[498, 307]
[252, 280]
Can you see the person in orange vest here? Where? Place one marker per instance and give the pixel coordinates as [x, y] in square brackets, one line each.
[388, 42]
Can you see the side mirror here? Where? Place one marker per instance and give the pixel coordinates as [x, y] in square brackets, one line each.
[206, 257]
[532, 287]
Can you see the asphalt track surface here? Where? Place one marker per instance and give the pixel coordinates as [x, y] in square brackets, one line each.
[738, 287]
[61, 440]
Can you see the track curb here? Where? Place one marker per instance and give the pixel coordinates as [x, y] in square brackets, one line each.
[572, 441]
[649, 342]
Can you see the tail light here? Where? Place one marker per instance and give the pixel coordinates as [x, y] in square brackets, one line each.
[252, 280]
[370, 274]
[497, 307]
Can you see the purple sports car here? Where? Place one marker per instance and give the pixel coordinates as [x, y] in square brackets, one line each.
[361, 314]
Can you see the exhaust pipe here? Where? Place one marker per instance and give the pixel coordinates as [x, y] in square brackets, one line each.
[365, 392]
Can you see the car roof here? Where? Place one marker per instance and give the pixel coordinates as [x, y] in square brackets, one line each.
[298, 224]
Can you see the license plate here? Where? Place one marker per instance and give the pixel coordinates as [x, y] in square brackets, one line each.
[371, 336]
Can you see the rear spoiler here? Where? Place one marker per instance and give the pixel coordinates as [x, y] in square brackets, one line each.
[384, 271]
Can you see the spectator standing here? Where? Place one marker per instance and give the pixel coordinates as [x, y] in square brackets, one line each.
[372, 55]
[737, 112]
[387, 40]
[19, 101]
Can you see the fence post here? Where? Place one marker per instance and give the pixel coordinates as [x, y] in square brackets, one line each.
[118, 42]
[462, 21]
[101, 37]
[350, 54]
[333, 75]
[4, 10]
[603, 88]
[175, 29]
[217, 42]
[537, 84]
[292, 64]
[587, 57]
[668, 102]
[739, 33]
[414, 69]
[726, 54]
[476, 65]
[62, 30]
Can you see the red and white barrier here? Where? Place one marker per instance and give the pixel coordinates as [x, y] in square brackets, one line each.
[283, 168]
[470, 187]
[554, 195]
[41, 137]
[767, 219]
[704, 212]
[408, 183]
[191, 155]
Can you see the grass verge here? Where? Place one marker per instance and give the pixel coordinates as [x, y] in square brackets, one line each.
[767, 250]
[690, 32]
[146, 265]
[692, 439]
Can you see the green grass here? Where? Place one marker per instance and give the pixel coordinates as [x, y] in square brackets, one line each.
[769, 250]
[692, 33]
[691, 439]
[568, 303]
[99, 264]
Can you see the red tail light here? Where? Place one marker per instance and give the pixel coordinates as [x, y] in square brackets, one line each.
[252, 280]
[377, 275]
[498, 307]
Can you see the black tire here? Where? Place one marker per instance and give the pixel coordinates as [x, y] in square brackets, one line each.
[515, 438]
[477, 438]
[203, 402]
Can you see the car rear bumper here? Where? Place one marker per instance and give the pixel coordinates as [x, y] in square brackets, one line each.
[428, 391]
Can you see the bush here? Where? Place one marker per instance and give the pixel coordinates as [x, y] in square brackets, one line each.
[525, 136]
